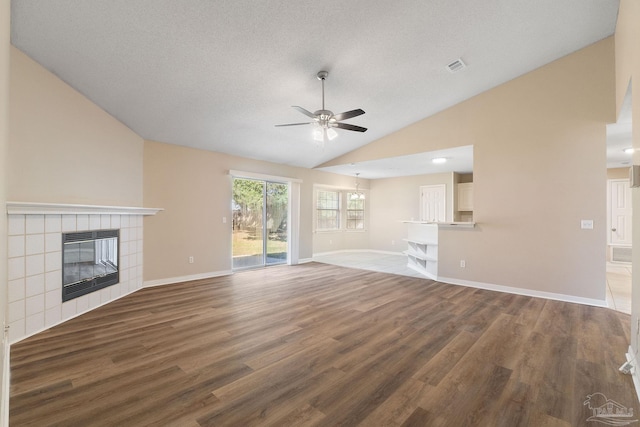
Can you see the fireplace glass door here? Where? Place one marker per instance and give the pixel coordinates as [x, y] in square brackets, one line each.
[260, 234]
[89, 262]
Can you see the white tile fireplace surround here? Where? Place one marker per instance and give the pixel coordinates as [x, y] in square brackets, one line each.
[35, 261]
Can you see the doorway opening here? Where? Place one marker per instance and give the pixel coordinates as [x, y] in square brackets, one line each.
[260, 223]
[619, 209]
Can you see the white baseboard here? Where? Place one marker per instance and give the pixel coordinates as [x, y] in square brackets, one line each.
[305, 260]
[172, 280]
[525, 292]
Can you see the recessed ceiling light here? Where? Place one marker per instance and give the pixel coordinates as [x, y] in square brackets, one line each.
[629, 150]
[439, 160]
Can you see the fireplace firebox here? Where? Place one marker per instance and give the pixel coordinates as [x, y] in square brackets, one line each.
[89, 262]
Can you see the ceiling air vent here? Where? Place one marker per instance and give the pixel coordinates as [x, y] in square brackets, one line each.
[456, 66]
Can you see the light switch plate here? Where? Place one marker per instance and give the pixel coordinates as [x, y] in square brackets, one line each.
[586, 224]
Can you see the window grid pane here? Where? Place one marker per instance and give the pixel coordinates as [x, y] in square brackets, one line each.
[328, 210]
[355, 213]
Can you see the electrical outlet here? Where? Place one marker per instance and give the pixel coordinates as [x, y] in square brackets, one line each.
[224, 219]
[463, 263]
[190, 260]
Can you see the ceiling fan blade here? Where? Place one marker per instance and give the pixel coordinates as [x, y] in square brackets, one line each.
[295, 124]
[347, 126]
[305, 112]
[348, 114]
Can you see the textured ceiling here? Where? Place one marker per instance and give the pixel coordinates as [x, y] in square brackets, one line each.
[218, 75]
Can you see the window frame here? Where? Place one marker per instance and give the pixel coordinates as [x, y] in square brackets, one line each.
[342, 211]
[360, 210]
[338, 210]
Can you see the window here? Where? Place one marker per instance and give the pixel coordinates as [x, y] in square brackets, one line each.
[340, 210]
[355, 211]
[328, 210]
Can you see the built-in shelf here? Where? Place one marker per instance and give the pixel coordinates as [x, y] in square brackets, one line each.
[421, 242]
[419, 256]
[30, 208]
[422, 247]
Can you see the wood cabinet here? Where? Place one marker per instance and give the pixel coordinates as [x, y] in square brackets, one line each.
[465, 196]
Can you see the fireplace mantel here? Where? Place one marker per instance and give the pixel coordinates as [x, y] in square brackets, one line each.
[30, 208]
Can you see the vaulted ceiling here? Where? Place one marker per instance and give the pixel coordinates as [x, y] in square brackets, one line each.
[218, 75]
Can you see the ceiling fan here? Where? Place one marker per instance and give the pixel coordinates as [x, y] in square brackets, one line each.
[325, 121]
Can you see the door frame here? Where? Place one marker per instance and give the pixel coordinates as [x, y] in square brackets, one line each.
[443, 187]
[293, 241]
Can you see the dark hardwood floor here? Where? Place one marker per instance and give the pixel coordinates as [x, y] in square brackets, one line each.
[316, 344]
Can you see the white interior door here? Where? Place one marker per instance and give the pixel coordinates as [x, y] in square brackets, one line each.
[432, 202]
[619, 212]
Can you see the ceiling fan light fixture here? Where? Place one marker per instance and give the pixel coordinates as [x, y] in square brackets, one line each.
[629, 150]
[318, 134]
[325, 120]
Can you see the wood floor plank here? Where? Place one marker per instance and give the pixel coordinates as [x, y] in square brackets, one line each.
[399, 406]
[320, 345]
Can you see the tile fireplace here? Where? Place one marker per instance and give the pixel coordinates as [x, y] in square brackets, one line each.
[39, 233]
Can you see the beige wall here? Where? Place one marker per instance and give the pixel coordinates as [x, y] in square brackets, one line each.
[65, 149]
[627, 59]
[4, 139]
[331, 241]
[194, 188]
[398, 199]
[539, 162]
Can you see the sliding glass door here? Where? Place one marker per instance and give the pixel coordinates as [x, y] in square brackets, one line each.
[276, 234]
[260, 223]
